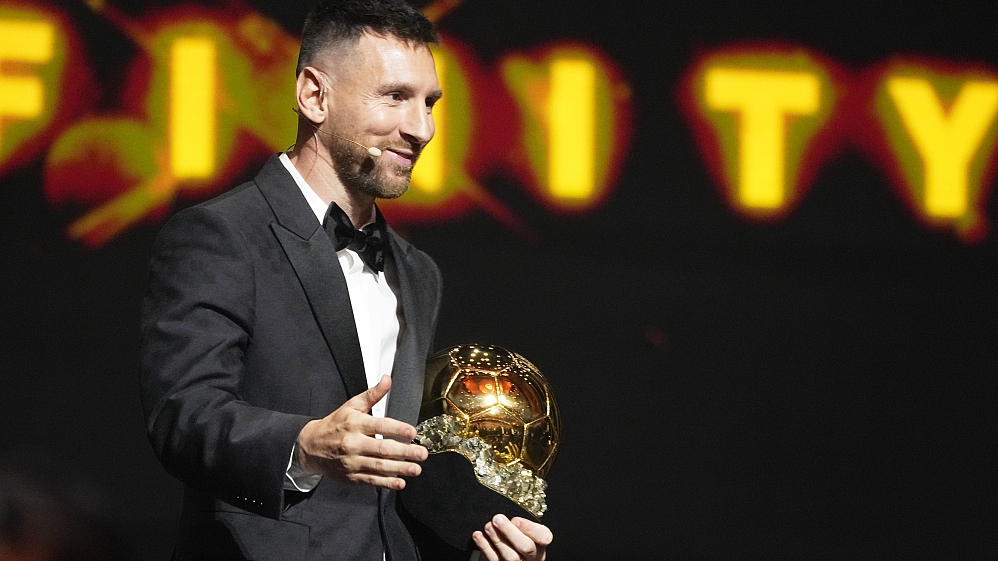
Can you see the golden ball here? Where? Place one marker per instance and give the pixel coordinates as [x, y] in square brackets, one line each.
[498, 396]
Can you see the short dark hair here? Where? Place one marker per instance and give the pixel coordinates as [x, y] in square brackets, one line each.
[339, 21]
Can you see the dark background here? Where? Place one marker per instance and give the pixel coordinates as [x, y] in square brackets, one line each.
[816, 387]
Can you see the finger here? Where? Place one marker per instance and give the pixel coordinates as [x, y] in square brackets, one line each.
[401, 451]
[386, 426]
[539, 533]
[485, 546]
[367, 457]
[365, 400]
[381, 466]
[355, 421]
[395, 483]
[370, 447]
[503, 548]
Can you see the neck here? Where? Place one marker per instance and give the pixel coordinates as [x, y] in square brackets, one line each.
[312, 162]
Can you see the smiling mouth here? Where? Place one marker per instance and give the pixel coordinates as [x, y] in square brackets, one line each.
[403, 156]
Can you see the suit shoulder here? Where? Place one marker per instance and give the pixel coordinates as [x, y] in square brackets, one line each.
[240, 199]
[239, 206]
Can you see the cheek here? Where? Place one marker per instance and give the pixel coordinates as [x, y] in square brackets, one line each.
[384, 120]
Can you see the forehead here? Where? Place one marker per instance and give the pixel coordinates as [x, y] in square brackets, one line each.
[376, 60]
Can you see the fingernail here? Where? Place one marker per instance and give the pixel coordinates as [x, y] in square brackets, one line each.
[499, 520]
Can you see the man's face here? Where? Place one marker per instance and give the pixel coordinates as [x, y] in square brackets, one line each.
[381, 94]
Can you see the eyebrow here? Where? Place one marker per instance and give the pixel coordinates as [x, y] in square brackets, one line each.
[407, 87]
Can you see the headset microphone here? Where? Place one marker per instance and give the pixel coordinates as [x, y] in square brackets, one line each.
[373, 151]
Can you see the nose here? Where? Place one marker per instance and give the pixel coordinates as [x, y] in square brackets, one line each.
[417, 125]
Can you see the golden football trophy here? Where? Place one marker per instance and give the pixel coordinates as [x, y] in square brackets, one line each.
[492, 427]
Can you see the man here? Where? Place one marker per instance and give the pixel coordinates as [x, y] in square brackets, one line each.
[281, 313]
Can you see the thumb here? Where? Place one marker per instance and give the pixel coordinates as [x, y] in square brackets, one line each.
[365, 400]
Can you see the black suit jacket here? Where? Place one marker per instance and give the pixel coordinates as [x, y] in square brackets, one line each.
[248, 333]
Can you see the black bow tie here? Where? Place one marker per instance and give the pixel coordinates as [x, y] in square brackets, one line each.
[370, 242]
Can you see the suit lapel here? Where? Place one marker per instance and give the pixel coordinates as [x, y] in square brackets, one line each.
[313, 257]
[410, 364]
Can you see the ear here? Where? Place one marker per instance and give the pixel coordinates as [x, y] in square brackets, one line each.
[312, 95]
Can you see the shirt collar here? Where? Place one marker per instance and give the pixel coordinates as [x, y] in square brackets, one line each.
[314, 202]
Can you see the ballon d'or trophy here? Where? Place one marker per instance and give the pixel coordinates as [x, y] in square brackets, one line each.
[491, 425]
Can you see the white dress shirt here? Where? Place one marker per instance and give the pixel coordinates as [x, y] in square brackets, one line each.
[375, 312]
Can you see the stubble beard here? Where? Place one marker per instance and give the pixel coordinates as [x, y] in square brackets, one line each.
[359, 171]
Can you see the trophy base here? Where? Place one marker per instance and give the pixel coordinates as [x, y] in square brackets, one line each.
[446, 504]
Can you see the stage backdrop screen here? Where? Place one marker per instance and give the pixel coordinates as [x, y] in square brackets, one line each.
[752, 248]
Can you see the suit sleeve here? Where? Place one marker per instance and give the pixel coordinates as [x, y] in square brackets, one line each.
[197, 320]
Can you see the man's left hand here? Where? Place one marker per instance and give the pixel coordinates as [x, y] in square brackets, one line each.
[513, 540]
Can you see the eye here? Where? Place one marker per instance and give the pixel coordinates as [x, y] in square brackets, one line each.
[396, 96]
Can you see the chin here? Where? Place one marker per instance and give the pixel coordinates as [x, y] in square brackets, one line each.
[384, 190]
[395, 185]
[393, 193]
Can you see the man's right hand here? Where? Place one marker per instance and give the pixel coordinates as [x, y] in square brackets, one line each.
[343, 446]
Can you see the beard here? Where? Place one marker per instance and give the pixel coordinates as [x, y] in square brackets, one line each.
[363, 173]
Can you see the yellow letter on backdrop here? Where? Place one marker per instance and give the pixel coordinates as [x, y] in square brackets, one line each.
[762, 101]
